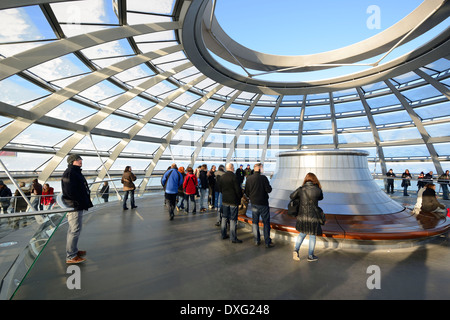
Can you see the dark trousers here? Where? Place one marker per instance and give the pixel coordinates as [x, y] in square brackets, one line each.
[172, 200]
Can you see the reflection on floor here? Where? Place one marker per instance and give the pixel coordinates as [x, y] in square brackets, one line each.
[141, 254]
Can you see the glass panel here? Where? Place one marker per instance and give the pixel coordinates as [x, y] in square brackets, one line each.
[317, 139]
[383, 101]
[406, 151]
[17, 91]
[24, 24]
[74, 12]
[355, 137]
[137, 105]
[220, 138]
[317, 125]
[153, 130]
[348, 107]
[392, 117]
[256, 125]
[188, 135]
[421, 93]
[434, 111]
[251, 140]
[39, 135]
[275, 141]
[169, 114]
[116, 123]
[353, 122]
[438, 130]
[153, 6]
[399, 134]
[442, 149]
[140, 147]
[227, 124]
[285, 126]
[289, 112]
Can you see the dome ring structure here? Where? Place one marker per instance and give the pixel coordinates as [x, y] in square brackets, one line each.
[202, 33]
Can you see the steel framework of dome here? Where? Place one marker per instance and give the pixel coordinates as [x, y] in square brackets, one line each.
[144, 88]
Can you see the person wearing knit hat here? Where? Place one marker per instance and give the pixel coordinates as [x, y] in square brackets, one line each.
[73, 157]
[76, 194]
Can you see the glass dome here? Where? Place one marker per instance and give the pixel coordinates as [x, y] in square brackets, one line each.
[149, 83]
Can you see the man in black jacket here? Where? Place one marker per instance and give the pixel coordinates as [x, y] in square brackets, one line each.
[257, 188]
[76, 194]
[231, 198]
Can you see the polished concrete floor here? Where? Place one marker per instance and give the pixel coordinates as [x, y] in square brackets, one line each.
[141, 254]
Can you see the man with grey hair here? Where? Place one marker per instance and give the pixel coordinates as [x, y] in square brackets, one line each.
[257, 188]
[76, 194]
[231, 198]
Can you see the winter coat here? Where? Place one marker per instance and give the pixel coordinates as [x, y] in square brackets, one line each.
[406, 181]
[429, 201]
[5, 196]
[76, 193]
[47, 197]
[171, 181]
[257, 188]
[190, 184]
[203, 179]
[308, 221]
[127, 181]
[231, 190]
[21, 204]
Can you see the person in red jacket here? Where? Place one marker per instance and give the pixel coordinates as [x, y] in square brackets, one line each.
[47, 199]
[190, 189]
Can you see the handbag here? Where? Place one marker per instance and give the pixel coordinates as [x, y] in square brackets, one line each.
[293, 207]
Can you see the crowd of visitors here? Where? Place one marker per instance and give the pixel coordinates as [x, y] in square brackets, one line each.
[221, 189]
[43, 197]
[422, 180]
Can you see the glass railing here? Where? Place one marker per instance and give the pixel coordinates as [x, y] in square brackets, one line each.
[25, 231]
[23, 236]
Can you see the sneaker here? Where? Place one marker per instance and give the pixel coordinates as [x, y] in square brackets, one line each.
[295, 256]
[77, 259]
[312, 258]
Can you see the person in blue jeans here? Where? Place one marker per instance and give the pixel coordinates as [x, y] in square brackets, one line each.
[308, 220]
[75, 194]
[257, 188]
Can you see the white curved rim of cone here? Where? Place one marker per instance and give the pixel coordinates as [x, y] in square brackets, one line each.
[323, 152]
